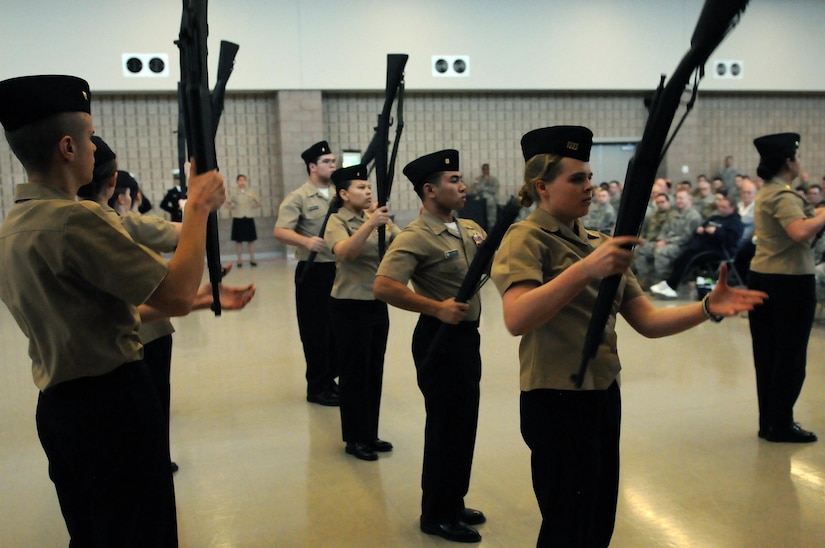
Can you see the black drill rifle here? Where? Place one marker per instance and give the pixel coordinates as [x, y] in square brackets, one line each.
[479, 267]
[717, 19]
[377, 149]
[201, 114]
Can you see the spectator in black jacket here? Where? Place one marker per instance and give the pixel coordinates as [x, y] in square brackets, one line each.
[717, 238]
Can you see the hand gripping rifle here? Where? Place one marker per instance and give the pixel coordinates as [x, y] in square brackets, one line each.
[478, 269]
[377, 149]
[201, 114]
[717, 19]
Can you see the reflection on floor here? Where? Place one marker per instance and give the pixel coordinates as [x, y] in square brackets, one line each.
[259, 466]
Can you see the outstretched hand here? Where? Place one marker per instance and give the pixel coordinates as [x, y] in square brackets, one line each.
[725, 300]
[232, 297]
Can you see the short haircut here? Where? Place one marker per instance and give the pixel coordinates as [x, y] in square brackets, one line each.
[34, 143]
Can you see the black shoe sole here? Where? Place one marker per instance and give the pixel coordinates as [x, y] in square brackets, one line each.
[437, 531]
[360, 454]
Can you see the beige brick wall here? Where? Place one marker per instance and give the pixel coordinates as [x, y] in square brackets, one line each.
[263, 134]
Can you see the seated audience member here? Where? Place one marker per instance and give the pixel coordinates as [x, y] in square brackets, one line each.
[747, 193]
[655, 217]
[601, 216]
[717, 238]
[615, 189]
[704, 201]
[814, 194]
[685, 185]
[673, 238]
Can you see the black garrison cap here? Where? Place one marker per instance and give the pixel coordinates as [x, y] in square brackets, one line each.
[418, 170]
[568, 141]
[783, 145]
[103, 153]
[126, 180]
[351, 173]
[315, 151]
[29, 99]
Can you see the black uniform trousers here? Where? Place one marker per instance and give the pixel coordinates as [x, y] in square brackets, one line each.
[450, 385]
[573, 437]
[104, 438]
[361, 329]
[780, 328]
[157, 355]
[312, 302]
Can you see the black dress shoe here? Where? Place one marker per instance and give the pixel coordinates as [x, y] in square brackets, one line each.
[380, 445]
[471, 517]
[324, 398]
[455, 532]
[251, 263]
[791, 434]
[361, 451]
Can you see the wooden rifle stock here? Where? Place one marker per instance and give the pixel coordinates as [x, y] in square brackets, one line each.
[718, 17]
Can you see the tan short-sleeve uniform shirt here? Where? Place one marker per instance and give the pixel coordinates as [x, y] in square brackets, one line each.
[304, 210]
[72, 278]
[435, 259]
[538, 249]
[776, 206]
[242, 201]
[160, 236]
[354, 279]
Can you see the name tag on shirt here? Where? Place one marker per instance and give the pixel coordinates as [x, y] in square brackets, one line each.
[451, 254]
[313, 208]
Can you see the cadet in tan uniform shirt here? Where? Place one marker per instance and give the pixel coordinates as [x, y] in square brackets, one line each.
[783, 267]
[548, 270]
[161, 236]
[361, 322]
[435, 252]
[241, 202]
[299, 223]
[73, 279]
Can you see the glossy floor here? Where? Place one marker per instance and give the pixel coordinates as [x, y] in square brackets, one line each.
[260, 467]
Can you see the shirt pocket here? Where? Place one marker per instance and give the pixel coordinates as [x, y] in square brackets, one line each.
[450, 263]
[315, 211]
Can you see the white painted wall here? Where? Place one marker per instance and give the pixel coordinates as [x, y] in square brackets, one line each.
[342, 45]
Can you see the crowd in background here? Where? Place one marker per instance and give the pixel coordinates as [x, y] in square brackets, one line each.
[678, 208]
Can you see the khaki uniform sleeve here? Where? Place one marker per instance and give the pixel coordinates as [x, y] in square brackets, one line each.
[517, 259]
[336, 231]
[289, 213]
[401, 258]
[155, 233]
[109, 259]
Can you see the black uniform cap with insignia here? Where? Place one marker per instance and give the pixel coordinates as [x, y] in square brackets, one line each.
[418, 170]
[28, 99]
[314, 152]
[567, 141]
[778, 145]
[351, 173]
